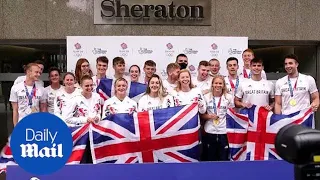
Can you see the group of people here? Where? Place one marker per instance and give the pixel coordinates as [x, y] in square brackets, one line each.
[77, 102]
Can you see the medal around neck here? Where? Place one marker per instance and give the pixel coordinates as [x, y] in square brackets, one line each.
[216, 121]
[293, 102]
[41, 143]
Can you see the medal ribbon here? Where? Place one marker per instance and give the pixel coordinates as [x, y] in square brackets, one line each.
[245, 74]
[215, 108]
[290, 86]
[232, 84]
[30, 96]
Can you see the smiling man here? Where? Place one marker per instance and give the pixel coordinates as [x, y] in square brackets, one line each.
[102, 66]
[149, 69]
[256, 90]
[292, 92]
[203, 81]
[232, 80]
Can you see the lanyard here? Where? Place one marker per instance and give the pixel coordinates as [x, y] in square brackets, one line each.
[245, 74]
[33, 93]
[215, 107]
[232, 84]
[290, 86]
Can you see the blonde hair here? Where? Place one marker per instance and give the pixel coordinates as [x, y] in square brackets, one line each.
[118, 80]
[178, 88]
[224, 88]
[161, 92]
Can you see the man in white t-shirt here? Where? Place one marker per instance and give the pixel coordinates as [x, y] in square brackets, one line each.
[256, 90]
[292, 92]
[232, 80]
[182, 60]
[170, 83]
[214, 67]
[245, 72]
[102, 66]
[203, 81]
[23, 78]
[28, 97]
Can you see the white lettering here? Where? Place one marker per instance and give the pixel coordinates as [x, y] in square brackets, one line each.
[28, 130]
[32, 150]
[46, 135]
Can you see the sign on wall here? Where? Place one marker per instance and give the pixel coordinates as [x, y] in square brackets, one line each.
[170, 12]
[162, 49]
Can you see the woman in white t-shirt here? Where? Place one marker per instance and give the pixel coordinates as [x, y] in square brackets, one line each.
[65, 94]
[215, 139]
[120, 102]
[155, 97]
[51, 90]
[186, 93]
[85, 107]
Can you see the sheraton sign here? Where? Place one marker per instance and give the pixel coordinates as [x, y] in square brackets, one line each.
[170, 12]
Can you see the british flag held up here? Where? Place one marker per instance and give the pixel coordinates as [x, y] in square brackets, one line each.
[106, 89]
[252, 132]
[170, 135]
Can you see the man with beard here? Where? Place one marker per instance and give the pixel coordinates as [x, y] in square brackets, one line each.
[170, 83]
[182, 60]
[214, 67]
[149, 69]
[203, 81]
[232, 80]
[102, 66]
[292, 92]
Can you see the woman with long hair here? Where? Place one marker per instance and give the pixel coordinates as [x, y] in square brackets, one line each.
[82, 68]
[51, 90]
[215, 139]
[134, 72]
[186, 93]
[120, 102]
[65, 94]
[156, 96]
[86, 107]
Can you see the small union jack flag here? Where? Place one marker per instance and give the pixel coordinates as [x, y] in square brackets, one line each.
[252, 132]
[164, 135]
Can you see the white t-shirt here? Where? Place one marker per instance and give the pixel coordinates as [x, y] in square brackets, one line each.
[51, 95]
[226, 102]
[23, 78]
[169, 87]
[81, 108]
[202, 85]
[185, 98]
[115, 106]
[62, 100]
[147, 103]
[241, 74]
[306, 85]
[229, 87]
[256, 92]
[18, 94]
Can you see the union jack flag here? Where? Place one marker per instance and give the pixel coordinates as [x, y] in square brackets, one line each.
[80, 137]
[165, 135]
[106, 89]
[251, 133]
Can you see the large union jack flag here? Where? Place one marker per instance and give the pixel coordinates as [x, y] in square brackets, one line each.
[252, 132]
[165, 135]
[106, 89]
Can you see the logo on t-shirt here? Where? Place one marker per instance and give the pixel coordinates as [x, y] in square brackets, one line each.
[41, 143]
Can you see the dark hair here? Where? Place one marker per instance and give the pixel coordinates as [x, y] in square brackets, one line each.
[150, 63]
[135, 66]
[214, 59]
[256, 60]
[103, 59]
[69, 73]
[292, 56]
[39, 62]
[85, 77]
[232, 59]
[54, 69]
[118, 60]
[204, 63]
[181, 55]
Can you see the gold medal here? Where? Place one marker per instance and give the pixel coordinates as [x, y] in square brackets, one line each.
[293, 102]
[33, 109]
[216, 121]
